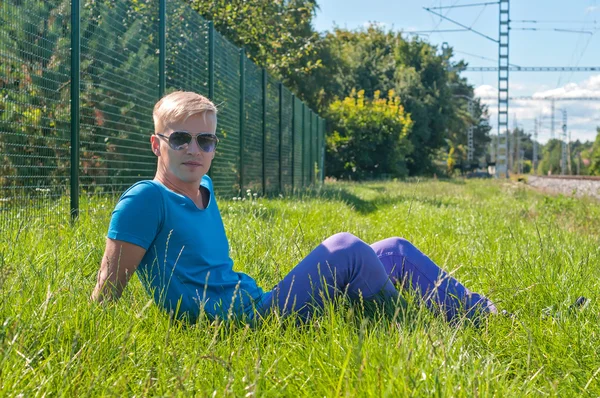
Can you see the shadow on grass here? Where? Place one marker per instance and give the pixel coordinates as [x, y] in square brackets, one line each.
[367, 206]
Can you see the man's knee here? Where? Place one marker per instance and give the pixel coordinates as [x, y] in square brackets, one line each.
[348, 243]
[399, 245]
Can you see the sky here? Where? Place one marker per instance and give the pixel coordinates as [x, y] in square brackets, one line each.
[568, 34]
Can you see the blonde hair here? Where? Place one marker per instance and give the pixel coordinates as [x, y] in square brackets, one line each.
[178, 106]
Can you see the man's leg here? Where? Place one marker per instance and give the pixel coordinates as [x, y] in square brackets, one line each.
[341, 264]
[408, 265]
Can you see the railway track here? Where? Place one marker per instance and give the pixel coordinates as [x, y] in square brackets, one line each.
[567, 177]
[567, 185]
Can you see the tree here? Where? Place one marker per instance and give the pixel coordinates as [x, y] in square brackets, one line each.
[551, 154]
[523, 150]
[595, 155]
[369, 138]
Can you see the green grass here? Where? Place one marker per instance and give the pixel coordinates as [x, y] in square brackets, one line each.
[525, 250]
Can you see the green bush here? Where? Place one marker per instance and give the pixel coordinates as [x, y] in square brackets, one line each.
[368, 138]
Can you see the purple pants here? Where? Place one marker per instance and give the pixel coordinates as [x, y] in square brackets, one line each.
[345, 264]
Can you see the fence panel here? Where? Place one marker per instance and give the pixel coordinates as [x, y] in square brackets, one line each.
[253, 156]
[272, 136]
[225, 169]
[187, 49]
[119, 86]
[286, 139]
[35, 110]
[307, 133]
[298, 144]
[321, 148]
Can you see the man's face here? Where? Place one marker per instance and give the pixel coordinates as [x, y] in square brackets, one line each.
[191, 163]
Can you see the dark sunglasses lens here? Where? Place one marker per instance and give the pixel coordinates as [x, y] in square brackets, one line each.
[178, 139]
[207, 143]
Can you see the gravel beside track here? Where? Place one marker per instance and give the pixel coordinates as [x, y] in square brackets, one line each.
[567, 185]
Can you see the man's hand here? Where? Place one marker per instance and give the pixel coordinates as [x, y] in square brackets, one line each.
[119, 262]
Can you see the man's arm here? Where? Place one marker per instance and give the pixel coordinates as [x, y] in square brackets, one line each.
[119, 262]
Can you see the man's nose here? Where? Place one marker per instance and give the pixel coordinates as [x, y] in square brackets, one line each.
[193, 147]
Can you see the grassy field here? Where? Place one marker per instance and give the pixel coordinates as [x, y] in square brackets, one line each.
[525, 250]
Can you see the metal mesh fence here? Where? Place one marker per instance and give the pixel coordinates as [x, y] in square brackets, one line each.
[119, 86]
[253, 136]
[268, 138]
[34, 110]
[272, 136]
[226, 164]
[187, 49]
[306, 150]
[298, 143]
[286, 139]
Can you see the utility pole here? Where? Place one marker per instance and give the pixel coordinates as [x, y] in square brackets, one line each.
[535, 145]
[569, 154]
[518, 145]
[503, 68]
[470, 133]
[493, 144]
[552, 120]
[563, 158]
[514, 147]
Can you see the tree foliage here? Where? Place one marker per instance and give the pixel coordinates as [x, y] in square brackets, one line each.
[369, 137]
[595, 155]
[278, 36]
[428, 84]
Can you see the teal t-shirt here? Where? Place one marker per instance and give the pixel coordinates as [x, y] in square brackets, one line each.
[187, 265]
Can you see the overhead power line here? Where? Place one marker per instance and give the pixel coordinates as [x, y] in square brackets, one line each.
[533, 68]
[529, 98]
[587, 32]
[461, 25]
[463, 5]
[552, 21]
[422, 32]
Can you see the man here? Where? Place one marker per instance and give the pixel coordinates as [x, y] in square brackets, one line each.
[170, 231]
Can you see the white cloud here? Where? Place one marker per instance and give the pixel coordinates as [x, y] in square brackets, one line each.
[582, 116]
[486, 91]
[587, 88]
[592, 9]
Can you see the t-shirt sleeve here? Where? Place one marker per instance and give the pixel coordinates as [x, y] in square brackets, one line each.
[138, 215]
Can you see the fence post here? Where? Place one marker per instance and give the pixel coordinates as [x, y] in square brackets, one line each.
[264, 131]
[211, 70]
[75, 88]
[303, 139]
[280, 137]
[293, 141]
[242, 115]
[323, 144]
[311, 166]
[317, 146]
[162, 47]
[211, 60]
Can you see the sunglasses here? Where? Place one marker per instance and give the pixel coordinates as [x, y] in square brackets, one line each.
[179, 140]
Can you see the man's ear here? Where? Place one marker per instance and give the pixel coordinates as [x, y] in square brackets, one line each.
[155, 143]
